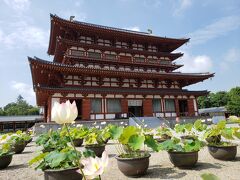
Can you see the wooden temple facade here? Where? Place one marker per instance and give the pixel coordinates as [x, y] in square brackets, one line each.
[113, 73]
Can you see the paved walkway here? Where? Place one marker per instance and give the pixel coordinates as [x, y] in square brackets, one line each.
[160, 167]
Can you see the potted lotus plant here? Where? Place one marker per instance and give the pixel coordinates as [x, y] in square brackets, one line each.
[219, 141]
[162, 134]
[183, 153]
[94, 141]
[133, 157]
[77, 133]
[189, 130]
[66, 163]
[6, 154]
[52, 140]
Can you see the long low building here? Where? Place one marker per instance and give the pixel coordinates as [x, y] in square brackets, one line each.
[113, 73]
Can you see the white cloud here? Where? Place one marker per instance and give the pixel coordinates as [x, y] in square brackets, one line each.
[230, 58]
[182, 5]
[195, 64]
[22, 34]
[218, 28]
[25, 90]
[133, 28]
[18, 5]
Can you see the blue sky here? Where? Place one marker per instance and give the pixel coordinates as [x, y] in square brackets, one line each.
[213, 26]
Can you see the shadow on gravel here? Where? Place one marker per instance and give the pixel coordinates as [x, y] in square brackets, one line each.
[18, 166]
[236, 159]
[204, 165]
[157, 171]
[26, 152]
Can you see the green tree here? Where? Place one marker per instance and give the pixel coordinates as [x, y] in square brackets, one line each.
[2, 113]
[20, 107]
[204, 102]
[233, 105]
[219, 99]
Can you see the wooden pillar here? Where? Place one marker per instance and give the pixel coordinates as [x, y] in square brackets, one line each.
[49, 109]
[177, 107]
[86, 108]
[191, 111]
[147, 107]
[163, 105]
[45, 113]
[124, 105]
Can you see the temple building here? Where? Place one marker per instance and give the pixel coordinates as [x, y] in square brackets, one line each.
[113, 73]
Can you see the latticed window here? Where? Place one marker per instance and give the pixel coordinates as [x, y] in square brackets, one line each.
[94, 55]
[139, 58]
[169, 105]
[114, 106]
[77, 53]
[110, 56]
[96, 106]
[157, 106]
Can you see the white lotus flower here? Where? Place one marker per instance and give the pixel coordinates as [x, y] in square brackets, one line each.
[79, 125]
[93, 167]
[64, 113]
[104, 122]
[42, 126]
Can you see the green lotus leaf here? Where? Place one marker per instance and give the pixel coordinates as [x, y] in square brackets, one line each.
[209, 176]
[136, 142]
[116, 131]
[127, 133]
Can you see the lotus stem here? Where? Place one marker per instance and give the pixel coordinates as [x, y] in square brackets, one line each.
[78, 159]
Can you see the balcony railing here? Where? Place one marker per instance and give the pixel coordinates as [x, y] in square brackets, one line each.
[110, 57]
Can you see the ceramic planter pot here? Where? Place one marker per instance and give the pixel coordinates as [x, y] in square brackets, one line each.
[97, 149]
[183, 159]
[214, 139]
[69, 174]
[160, 140]
[78, 142]
[30, 140]
[188, 137]
[226, 153]
[19, 147]
[47, 150]
[5, 161]
[133, 167]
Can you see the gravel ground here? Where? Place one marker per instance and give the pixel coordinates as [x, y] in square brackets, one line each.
[160, 167]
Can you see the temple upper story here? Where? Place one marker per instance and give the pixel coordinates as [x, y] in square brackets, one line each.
[72, 41]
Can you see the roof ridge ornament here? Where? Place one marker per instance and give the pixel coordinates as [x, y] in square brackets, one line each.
[71, 18]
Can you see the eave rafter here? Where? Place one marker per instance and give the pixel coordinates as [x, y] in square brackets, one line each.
[184, 78]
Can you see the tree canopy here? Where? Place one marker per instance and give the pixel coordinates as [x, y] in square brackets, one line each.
[230, 99]
[20, 107]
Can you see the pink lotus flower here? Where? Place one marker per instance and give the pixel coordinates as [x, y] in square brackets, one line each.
[94, 167]
[64, 113]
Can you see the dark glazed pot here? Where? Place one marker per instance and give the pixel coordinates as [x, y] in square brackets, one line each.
[5, 161]
[133, 167]
[160, 140]
[78, 142]
[66, 174]
[30, 140]
[214, 139]
[183, 159]
[98, 150]
[188, 137]
[19, 147]
[226, 153]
